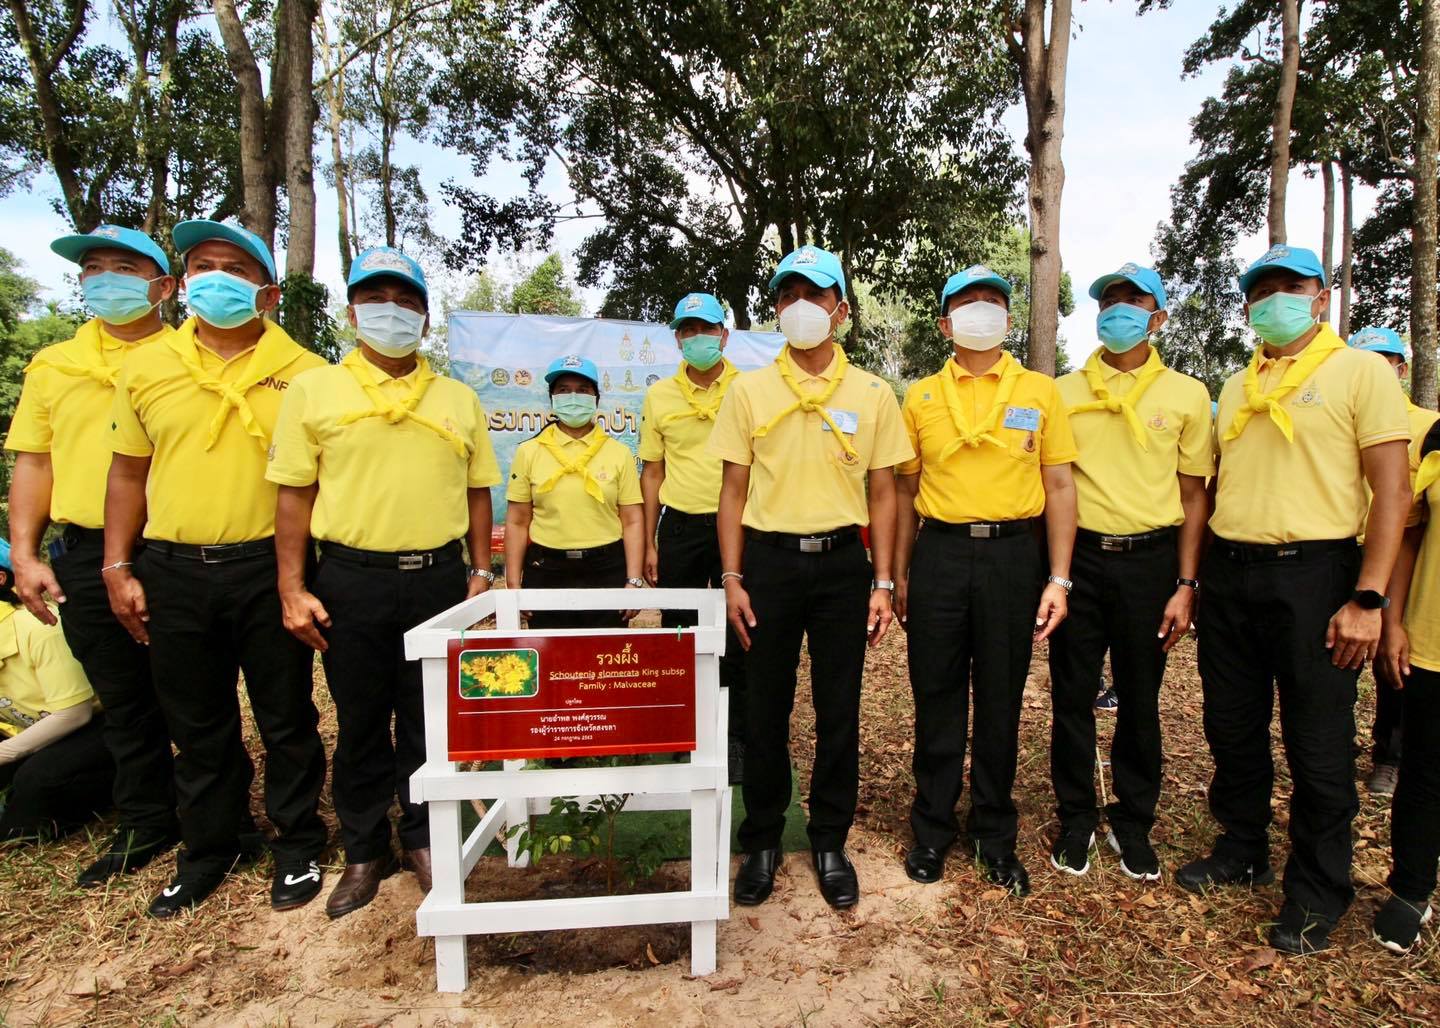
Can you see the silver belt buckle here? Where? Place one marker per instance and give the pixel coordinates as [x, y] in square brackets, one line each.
[812, 544]
[574, 554]
[205, 557]
[412, 561]
[1112, 544]
[982, 531]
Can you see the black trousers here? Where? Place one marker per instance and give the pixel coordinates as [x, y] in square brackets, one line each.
[59, 788]
[1389, 729]
[1117, 604]
[208, 622]
[119, 671]
[1415, 810]
[1262, 625]
[689, 553]
[371, 609]
[794, 595]
[970, 624]
[602, 567]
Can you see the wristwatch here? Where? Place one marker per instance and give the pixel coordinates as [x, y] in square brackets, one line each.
[1063, 583]
[1369, 599]
[638, 583]
[484, 573]
[1193, 583]
[882, 583]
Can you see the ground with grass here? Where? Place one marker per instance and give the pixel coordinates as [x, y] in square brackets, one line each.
[1091, 949]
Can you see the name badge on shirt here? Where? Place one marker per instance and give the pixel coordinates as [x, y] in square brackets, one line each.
[847, 420]
[1026, 419]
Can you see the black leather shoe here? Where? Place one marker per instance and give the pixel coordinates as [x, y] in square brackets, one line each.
[189, 889]
[127, 853]
[838, 883]
[1295, 932]
[756, 878]
[295, 884]
[925, 865]
[1209, 872]
[1006, 872]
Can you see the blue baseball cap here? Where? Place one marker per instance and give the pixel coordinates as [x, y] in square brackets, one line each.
[1144, 278]
[1293, 258]
[1380, 340]
[381, 261]
[701, 306]
[820, 266]
[75, 247]
[975, 275]
[190, 234]
[573, 364]
[5, 555]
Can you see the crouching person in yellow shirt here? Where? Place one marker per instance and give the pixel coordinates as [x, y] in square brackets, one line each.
[56, 774]
[191, 426]
[389, 468]
[993, 452]
[574, 517]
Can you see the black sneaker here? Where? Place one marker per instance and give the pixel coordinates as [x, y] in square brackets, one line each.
[188, 890]
[1299, 933]
[1071, 852]
[128, 852]
[1107, 700]
[1209, 872]
[1137, 856]
[295, 884]
[1398, 922]
[1005, 871]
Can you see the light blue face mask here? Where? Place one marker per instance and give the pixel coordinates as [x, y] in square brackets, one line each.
[117, 299]
[574, 409]
[1123, 326]
[701, 352]
[221, 299]
[1282, 318]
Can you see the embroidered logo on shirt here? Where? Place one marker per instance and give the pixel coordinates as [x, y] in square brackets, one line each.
[271, 382]
[1309, 397]
[1157, 421]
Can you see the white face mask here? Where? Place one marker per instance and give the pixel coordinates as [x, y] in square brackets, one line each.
[978, 326]
[388, 328]
[805, 325]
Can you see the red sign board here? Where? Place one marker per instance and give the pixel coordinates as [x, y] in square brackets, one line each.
[528, 696]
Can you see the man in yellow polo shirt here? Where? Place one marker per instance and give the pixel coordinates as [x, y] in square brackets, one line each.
[191, 425]
[993, 452]
[61, 439]
[681, 482]
[389, 468]
[1289, 602]
[809, 445]
[1144, 438]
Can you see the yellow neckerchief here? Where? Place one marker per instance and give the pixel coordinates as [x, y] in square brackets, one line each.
[1428, 473]
[1008, 370]
[688, 389]
[550, 439]
[1145, 376]
[813, 402]
[394, 413]
[1305, 362]
[87, 352]
[273, 352]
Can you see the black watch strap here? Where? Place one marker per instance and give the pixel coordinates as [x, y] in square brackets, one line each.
[1369, 599]
[1193, 583]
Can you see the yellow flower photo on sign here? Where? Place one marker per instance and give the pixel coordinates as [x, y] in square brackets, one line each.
[499, 674]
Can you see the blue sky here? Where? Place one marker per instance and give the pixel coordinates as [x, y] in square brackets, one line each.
[1127, 137]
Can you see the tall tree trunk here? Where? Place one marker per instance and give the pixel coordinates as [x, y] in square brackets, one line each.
[297, 23]
[1347, 245]
[1042, 77]
[387, 188]
[1327, 231]
[334, 86]
[1424, 234]
[257, 176]
[1280, 124]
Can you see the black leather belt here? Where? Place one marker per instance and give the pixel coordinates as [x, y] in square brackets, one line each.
[1255, 553]
[74, 535]
[981, 529]
[408, 560]
[1126, 543]
[704, 519]
[822, 542]
[608, 549]
[219, 553]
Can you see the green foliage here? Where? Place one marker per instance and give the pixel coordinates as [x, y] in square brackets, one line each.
[545, 291]
[304, 313]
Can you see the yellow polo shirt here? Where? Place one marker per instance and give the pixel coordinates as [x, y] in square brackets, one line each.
[1422, 608]
[1274, 491]
[567, 517]
[1120, 488]
[197, 495]
[383, 486]
[67, 415]
[1421, 418]
[671, 431]
[801, 479]
[38, 674]
[985, 482]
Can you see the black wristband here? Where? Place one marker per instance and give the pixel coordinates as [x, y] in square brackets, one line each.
[1193, 583]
